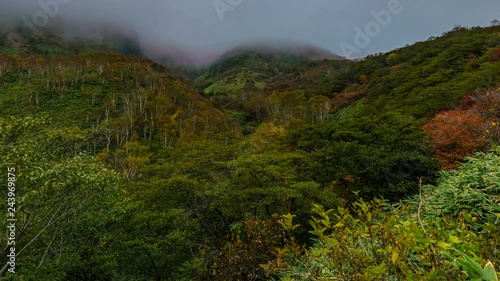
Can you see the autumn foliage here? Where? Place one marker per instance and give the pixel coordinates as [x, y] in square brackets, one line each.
[495, 55]
[460, 132]
[456, 134]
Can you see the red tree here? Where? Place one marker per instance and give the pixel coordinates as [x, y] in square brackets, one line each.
[495, 55]
[457, 134]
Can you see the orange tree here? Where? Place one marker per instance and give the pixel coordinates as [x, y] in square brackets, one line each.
[456, 134]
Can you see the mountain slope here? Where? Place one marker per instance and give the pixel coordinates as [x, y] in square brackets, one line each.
[191, 199]
[415, 80]
[429, 75]
[53, 42]
[110, 97]
[255, 64]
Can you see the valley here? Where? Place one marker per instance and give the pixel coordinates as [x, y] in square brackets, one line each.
[273, 162]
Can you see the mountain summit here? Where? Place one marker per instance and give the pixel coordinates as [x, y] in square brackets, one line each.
[284, 48]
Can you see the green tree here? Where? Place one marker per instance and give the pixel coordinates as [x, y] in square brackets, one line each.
[64, 204]
[380, 155]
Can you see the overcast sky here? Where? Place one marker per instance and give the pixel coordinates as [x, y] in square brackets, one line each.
[208, 26]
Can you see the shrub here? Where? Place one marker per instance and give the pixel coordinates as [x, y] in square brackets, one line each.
[433, 236]
[495, 55]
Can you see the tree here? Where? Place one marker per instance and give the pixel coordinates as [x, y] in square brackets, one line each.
[380, 155]
[487, 104]
[253, 243]
[456, 134]
[64, 203]
[495, 55]
[321, 107]
[286, 105]
[131, 157]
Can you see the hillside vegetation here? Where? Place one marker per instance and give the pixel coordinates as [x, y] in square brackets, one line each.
[265, 166]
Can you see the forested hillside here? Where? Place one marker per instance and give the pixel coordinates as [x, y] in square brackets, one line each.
[261, 166]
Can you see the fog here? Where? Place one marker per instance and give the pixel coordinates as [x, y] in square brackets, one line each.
[200, 30]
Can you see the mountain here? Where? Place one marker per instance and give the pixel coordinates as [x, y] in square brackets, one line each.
[417, 79]
[128, 168]
[52, 42]
[100, 90]
[284, 49]
[426, 76]
[252, 67]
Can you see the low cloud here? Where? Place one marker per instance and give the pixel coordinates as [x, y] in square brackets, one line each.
[198, 31]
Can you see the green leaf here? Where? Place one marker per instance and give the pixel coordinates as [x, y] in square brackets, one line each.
[474, 264]
[455, 240]
[489, 272]
[444, 245]
[471, 271]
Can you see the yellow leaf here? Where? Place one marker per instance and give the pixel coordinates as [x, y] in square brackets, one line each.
[339, 225]
[455, 239]
[444, 245]
[395, 256]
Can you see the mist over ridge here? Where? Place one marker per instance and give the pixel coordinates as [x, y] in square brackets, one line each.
[198, 33]
[167, 52]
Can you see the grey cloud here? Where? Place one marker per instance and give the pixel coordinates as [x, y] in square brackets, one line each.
[194, 26]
